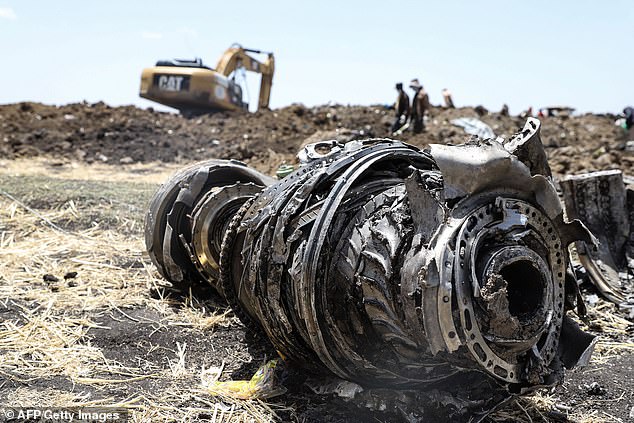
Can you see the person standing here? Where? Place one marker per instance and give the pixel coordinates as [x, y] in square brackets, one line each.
[420, 104]
[402, 108]
[628, 112]
[446, 95]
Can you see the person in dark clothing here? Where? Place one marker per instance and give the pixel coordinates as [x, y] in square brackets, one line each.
[420, 104]
[628, 112]
[402, 108]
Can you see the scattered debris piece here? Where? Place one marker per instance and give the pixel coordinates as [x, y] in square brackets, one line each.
[284, 170]
[263, 384]
[474, 126]
[595, 389]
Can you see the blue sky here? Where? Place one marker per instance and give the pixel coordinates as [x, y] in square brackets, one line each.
[576, 53]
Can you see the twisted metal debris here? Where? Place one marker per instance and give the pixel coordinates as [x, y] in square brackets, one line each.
[599, 199]
[435, 278]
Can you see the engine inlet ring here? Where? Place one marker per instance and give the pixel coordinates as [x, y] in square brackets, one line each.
[516, 213]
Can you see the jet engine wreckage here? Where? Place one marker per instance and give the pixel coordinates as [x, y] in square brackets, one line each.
[436, 281]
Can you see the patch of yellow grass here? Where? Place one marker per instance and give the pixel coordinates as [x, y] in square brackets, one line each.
[154, 172]
[48, 334]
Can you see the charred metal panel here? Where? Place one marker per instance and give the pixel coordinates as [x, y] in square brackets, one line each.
[599, 200]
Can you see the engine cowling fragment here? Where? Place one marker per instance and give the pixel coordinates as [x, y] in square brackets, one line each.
[440, 274]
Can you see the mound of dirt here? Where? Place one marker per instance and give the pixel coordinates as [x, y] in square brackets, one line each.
[127, 134]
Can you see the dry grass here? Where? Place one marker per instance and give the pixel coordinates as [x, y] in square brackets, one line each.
[49, 397]
[54, 229]
[612, 330]
[543, 407]
[155, 172]
[47, 344]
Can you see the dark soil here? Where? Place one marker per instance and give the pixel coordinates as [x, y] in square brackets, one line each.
[98, 132]
[606, 390]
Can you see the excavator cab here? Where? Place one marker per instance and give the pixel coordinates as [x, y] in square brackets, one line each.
[194, 88]
[235, 92]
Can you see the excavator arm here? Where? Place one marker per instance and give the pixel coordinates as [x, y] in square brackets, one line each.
[237, 57]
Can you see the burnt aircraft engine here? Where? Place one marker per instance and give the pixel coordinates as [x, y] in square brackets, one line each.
[443, 273]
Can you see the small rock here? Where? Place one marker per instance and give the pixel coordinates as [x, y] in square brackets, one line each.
[562, 407]
[70, 275]
[126, 160]
[50, 278]
[604, 159]
[69, 117]
[595, 389]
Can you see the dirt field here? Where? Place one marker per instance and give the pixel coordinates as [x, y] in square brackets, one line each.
[74, 185]
[98, 133]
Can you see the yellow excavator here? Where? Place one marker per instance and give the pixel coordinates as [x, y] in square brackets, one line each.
[193, 88]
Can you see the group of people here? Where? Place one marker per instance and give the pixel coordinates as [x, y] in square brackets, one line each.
[411, 116]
